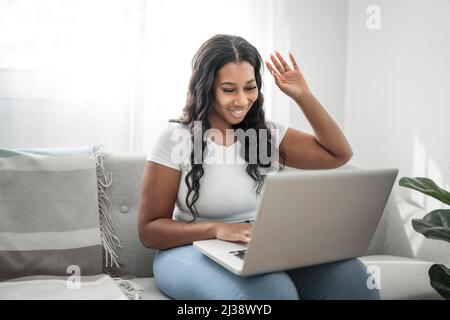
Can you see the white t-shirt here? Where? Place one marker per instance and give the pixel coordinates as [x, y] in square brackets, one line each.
[227, 192]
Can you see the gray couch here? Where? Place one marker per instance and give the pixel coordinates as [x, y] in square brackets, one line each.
[400, 257]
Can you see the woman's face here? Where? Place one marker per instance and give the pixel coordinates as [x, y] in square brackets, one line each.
[235, 91]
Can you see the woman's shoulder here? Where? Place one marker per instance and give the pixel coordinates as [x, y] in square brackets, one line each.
[272, 124]
[279, 129]
[171, 146]
[173, 133]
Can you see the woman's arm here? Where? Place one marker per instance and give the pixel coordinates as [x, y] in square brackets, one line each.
[328, 148]
[157, 230]
[327, 132]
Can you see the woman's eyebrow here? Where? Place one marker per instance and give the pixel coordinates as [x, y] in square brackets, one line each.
[232, 83]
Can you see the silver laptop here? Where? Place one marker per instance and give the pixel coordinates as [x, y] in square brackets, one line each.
[308, 218]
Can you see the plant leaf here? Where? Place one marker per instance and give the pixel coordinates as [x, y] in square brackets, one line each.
[440, 279]
[426, 186]
[435, 225]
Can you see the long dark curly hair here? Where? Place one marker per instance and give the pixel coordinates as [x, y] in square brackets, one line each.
[212, 55]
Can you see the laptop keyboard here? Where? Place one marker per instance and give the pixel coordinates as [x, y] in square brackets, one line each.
[239, 253]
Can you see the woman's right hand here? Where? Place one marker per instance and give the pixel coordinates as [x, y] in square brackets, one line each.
[233, 231]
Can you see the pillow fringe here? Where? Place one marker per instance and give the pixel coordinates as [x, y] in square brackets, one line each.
[111, 243]
[132, 290]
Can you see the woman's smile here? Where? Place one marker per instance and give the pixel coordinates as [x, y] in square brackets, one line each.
[237, 112]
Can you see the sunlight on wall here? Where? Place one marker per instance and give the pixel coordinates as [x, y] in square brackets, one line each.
[425, 166]
[418, 169]
[435, 174]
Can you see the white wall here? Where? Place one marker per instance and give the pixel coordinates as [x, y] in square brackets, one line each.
[388, 89]
[398, 105]
[316, 33]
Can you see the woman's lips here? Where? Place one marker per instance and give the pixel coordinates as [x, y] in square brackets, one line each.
[237, 113]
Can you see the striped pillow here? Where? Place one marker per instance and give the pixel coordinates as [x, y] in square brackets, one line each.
[49, 212]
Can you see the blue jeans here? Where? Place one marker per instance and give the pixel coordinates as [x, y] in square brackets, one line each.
[184, 273]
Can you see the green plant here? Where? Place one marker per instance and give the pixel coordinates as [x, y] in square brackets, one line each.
[434, 225]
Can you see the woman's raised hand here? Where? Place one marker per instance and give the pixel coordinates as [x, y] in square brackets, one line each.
[289, 80]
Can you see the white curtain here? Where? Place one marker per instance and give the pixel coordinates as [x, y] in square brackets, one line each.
[111, 72]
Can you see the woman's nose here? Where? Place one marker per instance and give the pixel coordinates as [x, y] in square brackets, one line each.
[241, 100]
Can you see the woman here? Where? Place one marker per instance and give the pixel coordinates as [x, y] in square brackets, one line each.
[214, 199]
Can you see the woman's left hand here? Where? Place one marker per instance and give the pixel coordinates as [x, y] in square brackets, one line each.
[290, 81]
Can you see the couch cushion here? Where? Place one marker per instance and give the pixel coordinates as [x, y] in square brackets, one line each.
[151, 290]
[402, 278]
[399, 237]
[127, 170]
[49, 221]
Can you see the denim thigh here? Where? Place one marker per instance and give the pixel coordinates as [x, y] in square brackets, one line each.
[345, 279]
[184, 273]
